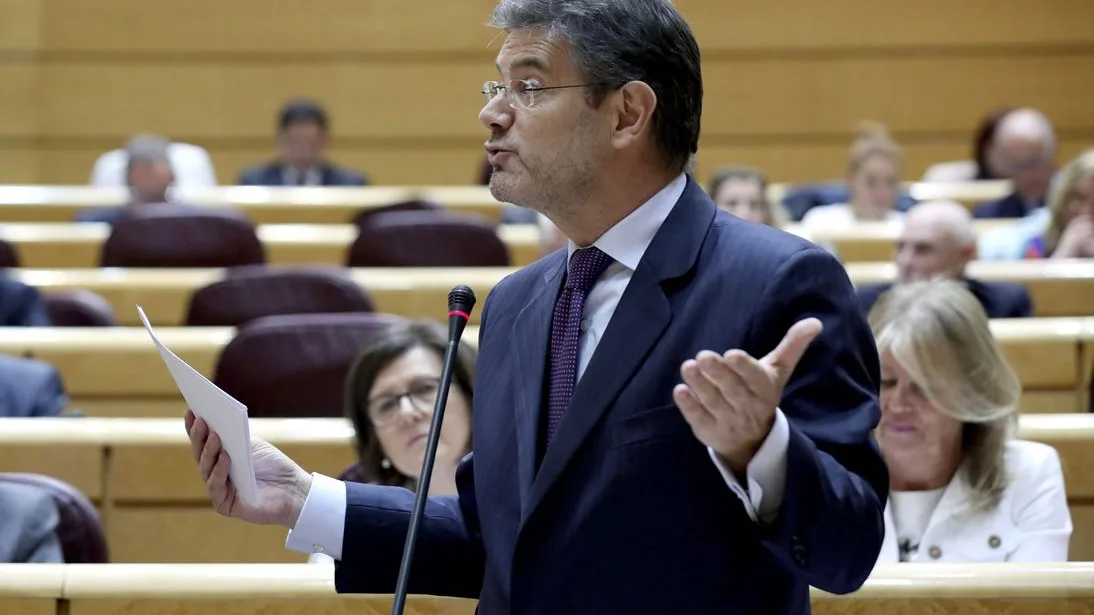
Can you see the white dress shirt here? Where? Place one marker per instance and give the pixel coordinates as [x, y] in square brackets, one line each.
[321, 525]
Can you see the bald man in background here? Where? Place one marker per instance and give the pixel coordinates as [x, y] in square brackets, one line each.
[938, 241]
[1024, 151]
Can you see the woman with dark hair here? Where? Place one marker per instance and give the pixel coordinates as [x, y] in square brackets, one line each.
[982, 143]
[390, 392]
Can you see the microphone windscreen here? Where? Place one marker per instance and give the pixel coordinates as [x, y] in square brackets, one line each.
[461, 299]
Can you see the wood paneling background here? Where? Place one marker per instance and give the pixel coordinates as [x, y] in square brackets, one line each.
[786, 81]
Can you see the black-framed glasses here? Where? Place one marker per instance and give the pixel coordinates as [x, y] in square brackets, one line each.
[384, 410]
[519, 93]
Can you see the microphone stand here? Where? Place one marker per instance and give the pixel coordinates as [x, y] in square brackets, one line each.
[460, 302]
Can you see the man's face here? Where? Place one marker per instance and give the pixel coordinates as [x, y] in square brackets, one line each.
[544, 155]
[928, 248]
[301, 145]
[1023, 160]
[150, 181]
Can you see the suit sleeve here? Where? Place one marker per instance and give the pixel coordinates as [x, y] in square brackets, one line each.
[39, 543]
[830, 525]
[50, 398]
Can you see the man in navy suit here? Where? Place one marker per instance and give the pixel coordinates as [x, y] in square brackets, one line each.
[302, 129]
[678, 405]
[1024, 151]
[938, 240]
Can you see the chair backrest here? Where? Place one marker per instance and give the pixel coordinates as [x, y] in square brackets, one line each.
[295, 365]
[426, 239]
[367, 215]
[182, 236]
[248, 293]
[9, 258]
[79, 308]
[80, 530]
[191, 164]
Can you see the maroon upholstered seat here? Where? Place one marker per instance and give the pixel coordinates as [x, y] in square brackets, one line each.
[295, 365]
[79, 308]
[80, 530]
[247, 293]
[9, 258]
[426, 239]
[366, 216]
[182, 236]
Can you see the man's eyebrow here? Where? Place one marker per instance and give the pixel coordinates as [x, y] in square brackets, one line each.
[526, 62]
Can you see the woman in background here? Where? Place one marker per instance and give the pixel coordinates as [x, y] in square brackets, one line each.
[742, 191]
[963, 488]
[873, 182]
[1070, 232]
[390, 392]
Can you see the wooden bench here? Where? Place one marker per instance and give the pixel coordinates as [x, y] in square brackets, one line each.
[46, 245]
[117, 372]
[1058, 288]
[291, 589]
[154, 506]
[873, 241]
[338, 205]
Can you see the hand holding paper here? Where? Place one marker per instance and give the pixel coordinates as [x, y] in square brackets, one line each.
[246, 478]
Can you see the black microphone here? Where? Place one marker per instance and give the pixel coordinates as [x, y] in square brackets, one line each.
[461, 300]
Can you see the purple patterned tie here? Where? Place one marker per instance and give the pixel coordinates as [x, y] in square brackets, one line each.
[586, 265]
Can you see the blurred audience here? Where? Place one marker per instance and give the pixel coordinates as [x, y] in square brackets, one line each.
[28, 526]
[742, 191]
[979, 167]
[22, 305]
[938, 241]
[192, 166]
[1024, 151]
[302, 136]
[1070, 231]
[30, 388]
[873, 182]
[148, 174]
[963, 488]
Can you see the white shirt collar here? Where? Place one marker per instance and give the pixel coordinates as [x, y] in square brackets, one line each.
[627, 241]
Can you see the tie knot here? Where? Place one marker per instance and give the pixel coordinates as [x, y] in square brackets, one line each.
[586, 265]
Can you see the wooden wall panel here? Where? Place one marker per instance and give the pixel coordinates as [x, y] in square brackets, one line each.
[20, 25]
[744, 98]
[386, 26]
[18, 100]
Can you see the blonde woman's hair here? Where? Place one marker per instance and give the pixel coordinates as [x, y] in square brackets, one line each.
[1063, 191]
[872, 139]
[939, 333]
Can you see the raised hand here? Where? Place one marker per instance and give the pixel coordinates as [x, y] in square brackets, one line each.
[730, 400]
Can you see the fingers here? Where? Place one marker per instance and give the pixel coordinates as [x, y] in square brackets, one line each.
[790, 350]
[220, 491]
[710, 380]
[751, 373]
[694, 412]
[209, 456]
[188, 420]
[198, 432]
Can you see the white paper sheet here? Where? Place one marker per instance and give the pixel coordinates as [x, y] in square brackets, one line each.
[225, 416]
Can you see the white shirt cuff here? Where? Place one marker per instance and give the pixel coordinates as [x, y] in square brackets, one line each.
[322, 523]
[766, 473]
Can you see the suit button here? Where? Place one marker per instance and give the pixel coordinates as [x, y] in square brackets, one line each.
[798, 551]
[935, 552]
[994, 542]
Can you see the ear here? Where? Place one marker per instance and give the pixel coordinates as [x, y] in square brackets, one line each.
[634, 106]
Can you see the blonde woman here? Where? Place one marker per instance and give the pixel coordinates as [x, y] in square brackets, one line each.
[1070, 232]
[874, 168]
[962, 488]
[742, 191]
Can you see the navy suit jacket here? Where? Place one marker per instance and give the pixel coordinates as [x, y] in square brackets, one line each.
[270, 174]
[1010, 206]
[30, 388]
[1000, 299]
[626, 512]
[21, 305]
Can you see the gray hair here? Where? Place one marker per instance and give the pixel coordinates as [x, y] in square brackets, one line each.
[615, 42]
[146, 149]
[1028, 124]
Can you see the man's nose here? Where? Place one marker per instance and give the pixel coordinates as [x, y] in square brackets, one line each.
[497, 115]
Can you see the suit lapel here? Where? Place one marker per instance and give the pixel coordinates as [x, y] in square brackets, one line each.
[529, 349]
[639, 321]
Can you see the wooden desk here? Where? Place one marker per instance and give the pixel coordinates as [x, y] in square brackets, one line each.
[873, 241]
[262, 204]
[116, 371]
[44, 245]
[31, 589]
[155, 508]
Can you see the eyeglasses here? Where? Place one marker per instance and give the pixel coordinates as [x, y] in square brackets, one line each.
[384, 410]
[519, 93]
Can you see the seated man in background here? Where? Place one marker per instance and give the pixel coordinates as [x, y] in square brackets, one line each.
[938, 241]
[30, 388]
[302, 131]
[1024, 151]
[28, 526]
[148, 174]
[21, 305]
